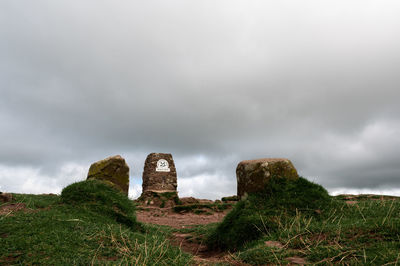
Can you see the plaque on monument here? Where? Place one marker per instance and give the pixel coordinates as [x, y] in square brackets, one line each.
[162, 166]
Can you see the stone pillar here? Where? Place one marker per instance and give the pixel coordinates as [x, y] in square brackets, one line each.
[159, 181]
[112, 169]
[159, 173]
[253, 175]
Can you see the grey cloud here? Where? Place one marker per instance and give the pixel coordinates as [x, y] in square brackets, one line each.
[226, 81]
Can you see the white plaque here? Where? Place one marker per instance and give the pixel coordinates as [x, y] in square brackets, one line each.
[162, 166]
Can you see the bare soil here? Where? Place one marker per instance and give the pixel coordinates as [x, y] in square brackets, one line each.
[202, 256]
[166, 216]
[10, 208]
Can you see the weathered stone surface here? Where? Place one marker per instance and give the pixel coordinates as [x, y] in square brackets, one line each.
[5, 197]
[112, 169]
[253, 175]
[159, 173]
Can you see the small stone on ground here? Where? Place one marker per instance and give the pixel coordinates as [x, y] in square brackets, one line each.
[273, 244]
[297, 260]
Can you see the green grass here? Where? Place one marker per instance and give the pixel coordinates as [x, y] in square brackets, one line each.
[311, 225]
[37, 201]
[97, 196]
[364, 234]
[99, 227]
[94, 224]
[262, 212]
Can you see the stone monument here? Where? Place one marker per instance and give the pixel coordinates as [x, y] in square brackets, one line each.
[253, 175]
[113, 170]
[159, 179]
[159, 173]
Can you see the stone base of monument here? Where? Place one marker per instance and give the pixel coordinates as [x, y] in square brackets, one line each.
[161, 199]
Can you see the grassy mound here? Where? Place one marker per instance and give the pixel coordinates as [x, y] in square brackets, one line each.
[47, 231]
[100, 197]
[262, 213]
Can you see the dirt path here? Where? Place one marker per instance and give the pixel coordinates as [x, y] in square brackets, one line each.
[201, 255]
[165, 216]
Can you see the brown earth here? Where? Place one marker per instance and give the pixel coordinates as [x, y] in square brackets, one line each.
[186, 241]
[166, 216]
[9, 209]
[201, 255]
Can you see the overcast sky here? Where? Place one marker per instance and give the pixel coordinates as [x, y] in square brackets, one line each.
[212, 82]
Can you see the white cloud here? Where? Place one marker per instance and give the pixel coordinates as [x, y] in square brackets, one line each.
[22, 179]
[355, 191]
[367, 144]
[30, 180]
[207, 186]
[135, 190]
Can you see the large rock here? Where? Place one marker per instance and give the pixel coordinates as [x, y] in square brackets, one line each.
[159, 173]
[253, 175]
[112, 169]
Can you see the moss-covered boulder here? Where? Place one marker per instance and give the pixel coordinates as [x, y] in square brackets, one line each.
[264, 212]
[113, 170]
[253, 175]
